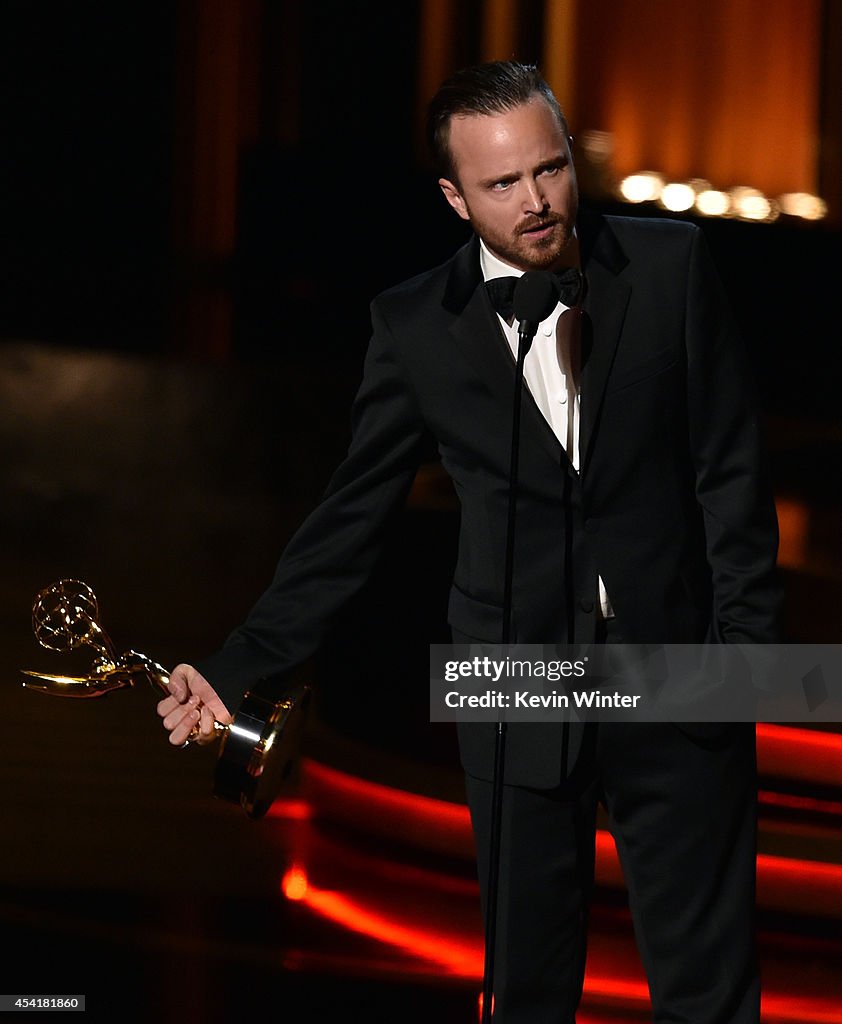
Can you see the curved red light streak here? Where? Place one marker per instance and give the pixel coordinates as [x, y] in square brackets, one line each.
[461, 956]
[783, 883]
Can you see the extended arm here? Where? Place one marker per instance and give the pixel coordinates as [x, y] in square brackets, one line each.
[333, 552]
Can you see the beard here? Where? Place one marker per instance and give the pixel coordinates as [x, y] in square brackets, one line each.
[524, 248]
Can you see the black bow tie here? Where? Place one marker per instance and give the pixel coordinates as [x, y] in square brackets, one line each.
[501, 290]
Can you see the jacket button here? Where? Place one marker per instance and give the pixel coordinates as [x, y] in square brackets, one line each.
[586, 604]
[591, 525]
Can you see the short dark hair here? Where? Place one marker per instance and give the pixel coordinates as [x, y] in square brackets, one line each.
[490, 88]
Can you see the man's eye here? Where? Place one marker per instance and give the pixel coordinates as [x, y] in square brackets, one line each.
[500, 186]
[551, 170]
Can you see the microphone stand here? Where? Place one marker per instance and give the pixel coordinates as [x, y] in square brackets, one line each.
[526, 332]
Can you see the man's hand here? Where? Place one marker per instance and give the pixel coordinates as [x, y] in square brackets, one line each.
[191, 707]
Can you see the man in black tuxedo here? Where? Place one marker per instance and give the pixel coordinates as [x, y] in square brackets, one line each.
[643, 516]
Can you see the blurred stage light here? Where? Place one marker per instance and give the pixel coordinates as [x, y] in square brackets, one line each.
[641, 188]
[741, 201]
[599, 146]
[713, 203]
[803, 204]
[751, 204]
[677, 196]
[294, 884]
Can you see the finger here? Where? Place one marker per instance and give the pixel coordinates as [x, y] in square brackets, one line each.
[178, 687]
[180, 713]
[167, 705]
[181, 681]
[182, 729]
[206, 731]
[174, 710]
[178, 693]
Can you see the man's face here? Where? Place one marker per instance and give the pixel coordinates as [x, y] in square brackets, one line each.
[517, 185]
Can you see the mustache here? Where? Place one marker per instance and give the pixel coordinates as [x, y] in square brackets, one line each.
[536, 223]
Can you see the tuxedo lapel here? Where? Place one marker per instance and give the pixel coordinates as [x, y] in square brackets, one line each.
[475, 327]
[477, 332]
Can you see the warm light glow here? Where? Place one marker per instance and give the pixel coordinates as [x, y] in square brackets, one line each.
[453, 944]
[439, 824]
[459, 952]
[713, 203]
[598, 145]
[741, 201]
[807, 755]
[788, 1008]
[804, 205]
[641, 188]
[804, 754]
[755, 208]
[794, 528]
[481, 1003]
[798, 802]
[292, 810]
[294, 883]
[455, 953]
[787, 883]
[750, 204]
[677, 196]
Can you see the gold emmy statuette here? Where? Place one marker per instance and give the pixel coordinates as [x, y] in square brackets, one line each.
[257, 750]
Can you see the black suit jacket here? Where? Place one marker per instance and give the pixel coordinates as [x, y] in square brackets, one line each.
[671, 505]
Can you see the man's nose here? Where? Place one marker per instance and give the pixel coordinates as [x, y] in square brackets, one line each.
[533, 200]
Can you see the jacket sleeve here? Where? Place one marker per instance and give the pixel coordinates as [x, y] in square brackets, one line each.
[333, 552]
[732, 479]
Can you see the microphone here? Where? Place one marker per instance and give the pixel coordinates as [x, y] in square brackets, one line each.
[536, 295]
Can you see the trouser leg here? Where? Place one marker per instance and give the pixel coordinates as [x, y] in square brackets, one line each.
[545, 882]
[682, 809]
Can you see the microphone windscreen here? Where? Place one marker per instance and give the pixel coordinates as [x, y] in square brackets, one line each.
[536, 296]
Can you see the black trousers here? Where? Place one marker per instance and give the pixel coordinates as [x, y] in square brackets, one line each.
[682, 810]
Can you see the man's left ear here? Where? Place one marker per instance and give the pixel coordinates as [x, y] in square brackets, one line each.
[454, 197]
